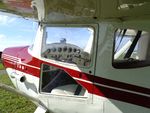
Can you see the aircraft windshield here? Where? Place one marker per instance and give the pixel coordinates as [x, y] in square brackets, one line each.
[68, 44]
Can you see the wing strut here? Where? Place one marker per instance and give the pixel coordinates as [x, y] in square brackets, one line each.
[41, 107]
[131, 49]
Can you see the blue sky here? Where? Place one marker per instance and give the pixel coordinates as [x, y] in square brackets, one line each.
[16, 31]
[76, 35]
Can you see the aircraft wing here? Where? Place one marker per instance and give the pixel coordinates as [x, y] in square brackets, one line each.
[93, 10]
[76, 10]
[18, 7]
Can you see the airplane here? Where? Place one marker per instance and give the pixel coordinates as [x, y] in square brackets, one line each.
[89, 56]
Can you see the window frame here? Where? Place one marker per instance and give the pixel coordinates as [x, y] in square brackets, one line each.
[60, 95]
[93, 26]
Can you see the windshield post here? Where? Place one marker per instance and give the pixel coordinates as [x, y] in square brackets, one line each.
[38, 41]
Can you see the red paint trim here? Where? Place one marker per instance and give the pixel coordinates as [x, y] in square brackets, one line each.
[108, 82]
[121, 85]
[116, 94]
[121, 94]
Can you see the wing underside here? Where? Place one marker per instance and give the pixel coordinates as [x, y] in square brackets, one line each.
[18, 7]
[75, 10]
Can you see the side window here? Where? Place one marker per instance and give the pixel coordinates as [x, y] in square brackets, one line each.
[131, 48]
[68, 44]
[56, 81]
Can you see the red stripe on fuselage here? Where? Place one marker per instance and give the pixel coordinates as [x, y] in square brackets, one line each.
[94, 84]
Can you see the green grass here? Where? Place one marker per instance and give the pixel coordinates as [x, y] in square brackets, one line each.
[1, 66]
[13, 103]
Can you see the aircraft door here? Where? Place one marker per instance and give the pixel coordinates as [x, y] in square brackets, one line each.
[58, 87]
[67, 74]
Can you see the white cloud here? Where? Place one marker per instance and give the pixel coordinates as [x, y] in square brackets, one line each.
[5, 20]
[2, 36]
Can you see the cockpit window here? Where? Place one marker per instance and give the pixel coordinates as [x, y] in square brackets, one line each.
[131, 48]
[68, 44]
